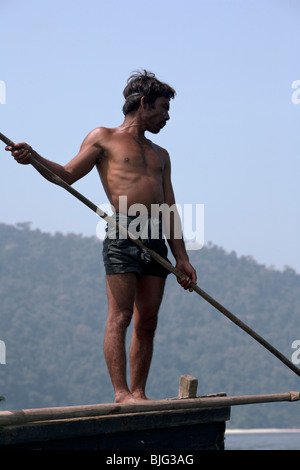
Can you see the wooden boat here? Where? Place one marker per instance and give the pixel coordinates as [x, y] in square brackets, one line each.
[184, 423]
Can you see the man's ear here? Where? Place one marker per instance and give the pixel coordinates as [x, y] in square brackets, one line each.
[144, 101]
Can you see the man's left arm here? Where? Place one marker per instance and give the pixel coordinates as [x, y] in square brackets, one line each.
[175, 235]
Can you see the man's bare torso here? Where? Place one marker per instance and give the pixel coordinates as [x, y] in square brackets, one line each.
[131, 167]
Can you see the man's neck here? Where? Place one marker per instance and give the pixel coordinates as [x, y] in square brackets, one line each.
[134, 126]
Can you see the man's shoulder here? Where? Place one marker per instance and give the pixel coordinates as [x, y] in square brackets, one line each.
[100, 137]
[159, 147]
[161, 150]
[101, 132]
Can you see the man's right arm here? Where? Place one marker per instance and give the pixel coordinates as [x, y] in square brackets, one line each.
[89, 154]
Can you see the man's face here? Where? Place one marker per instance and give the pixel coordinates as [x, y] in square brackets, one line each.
[157, 114]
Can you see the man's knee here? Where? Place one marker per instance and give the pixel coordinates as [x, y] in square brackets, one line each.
[120, 318]
[146, 325]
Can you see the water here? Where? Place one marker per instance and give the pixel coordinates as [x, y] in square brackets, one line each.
[262, 439]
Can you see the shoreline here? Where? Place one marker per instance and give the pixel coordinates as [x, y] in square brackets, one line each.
[263, 431]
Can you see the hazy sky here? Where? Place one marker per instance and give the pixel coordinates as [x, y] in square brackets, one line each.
[233, 136]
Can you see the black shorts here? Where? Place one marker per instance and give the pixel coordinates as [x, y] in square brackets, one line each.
[121, 255]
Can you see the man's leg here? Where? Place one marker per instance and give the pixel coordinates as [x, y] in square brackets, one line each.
[121, 293]
[149, 293]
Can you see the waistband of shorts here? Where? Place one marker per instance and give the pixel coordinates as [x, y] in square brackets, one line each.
[120, 217]
[144, 225]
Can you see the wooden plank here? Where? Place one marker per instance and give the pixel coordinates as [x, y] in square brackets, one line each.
[188, 386]
[42, 414]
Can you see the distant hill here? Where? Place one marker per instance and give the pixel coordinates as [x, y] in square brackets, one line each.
[53, 313]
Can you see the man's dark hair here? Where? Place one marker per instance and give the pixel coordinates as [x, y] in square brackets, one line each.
[144, 84]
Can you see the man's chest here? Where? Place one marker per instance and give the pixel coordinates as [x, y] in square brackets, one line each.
[134, 155]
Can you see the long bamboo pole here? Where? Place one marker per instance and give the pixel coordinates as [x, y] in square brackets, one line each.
[8, 418]
[60, 182]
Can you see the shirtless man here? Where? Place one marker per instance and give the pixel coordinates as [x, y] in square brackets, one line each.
[130, 165]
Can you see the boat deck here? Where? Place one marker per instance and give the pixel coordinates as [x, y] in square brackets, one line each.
[173, 424]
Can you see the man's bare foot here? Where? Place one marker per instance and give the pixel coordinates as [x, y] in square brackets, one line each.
[127, 397]
[123, 397]
[140, 396]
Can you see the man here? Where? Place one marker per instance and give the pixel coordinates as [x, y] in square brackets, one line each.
[133, 169]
